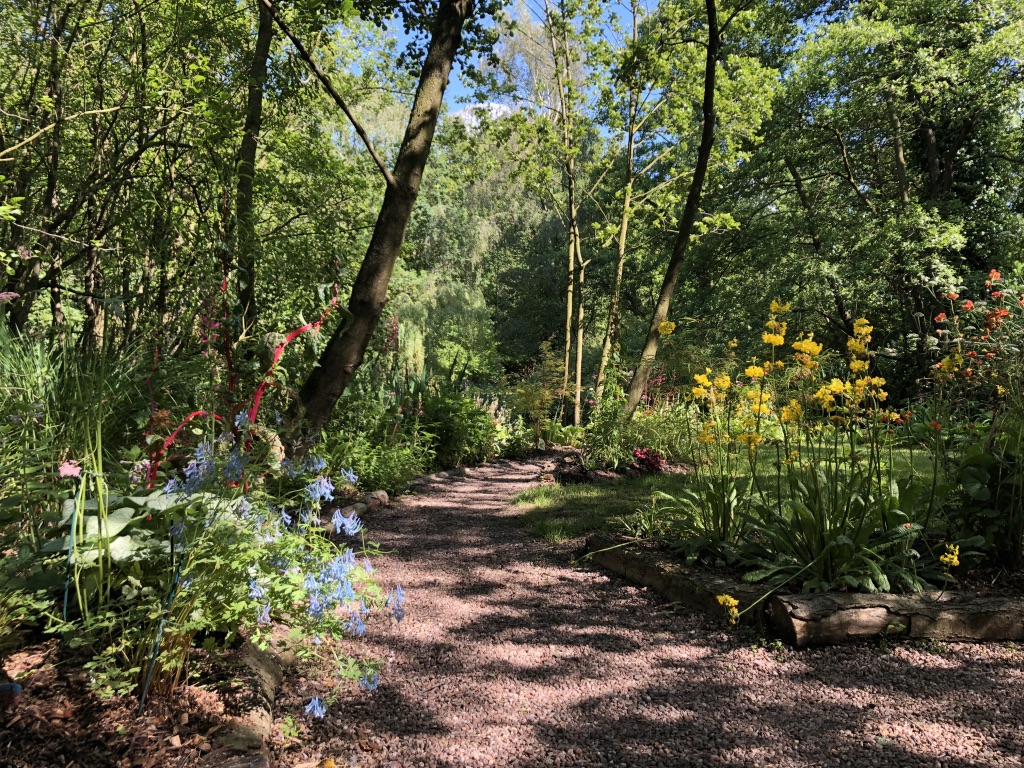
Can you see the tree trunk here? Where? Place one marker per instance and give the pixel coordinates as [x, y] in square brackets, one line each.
[581, 271]
[611, 333]
[688, 219]
[344, 352]
[246, 243]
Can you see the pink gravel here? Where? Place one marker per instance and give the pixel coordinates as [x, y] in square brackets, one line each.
[511, 656]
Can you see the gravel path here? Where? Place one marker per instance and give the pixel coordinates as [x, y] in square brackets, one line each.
[510, 656]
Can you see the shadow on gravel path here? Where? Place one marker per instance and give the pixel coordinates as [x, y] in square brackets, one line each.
[510, 656]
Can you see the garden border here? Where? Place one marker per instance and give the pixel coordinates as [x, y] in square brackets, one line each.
[818, 619]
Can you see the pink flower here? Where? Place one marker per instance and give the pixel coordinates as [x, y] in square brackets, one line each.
[8, 296]
[70, 469]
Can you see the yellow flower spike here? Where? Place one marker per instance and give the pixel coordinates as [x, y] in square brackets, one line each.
[778, 307]
[749, 439]
[733, 344]
[807, 346]
[702, 379]
[837, 386]
[952, 557]
[699, 393]
[666, 327]
[754, 372]
[859, 366]
[792, 412]
[775, 339]
[731, 605]
[857, 346]
[723, 382]
[862, 328]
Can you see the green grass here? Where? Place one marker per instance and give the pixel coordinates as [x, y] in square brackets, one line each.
[559, 513]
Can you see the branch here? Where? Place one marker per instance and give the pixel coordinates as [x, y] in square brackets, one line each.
[50, 127]
[325, 81]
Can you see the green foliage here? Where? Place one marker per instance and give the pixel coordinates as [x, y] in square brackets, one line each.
[462, 430]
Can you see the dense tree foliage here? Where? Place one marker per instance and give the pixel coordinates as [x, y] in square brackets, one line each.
[168, 167]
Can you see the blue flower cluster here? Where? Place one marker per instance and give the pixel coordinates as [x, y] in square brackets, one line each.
[332, 588]
[316, 708]
[199, 472]
[351, 524]
[396, 602]
[320, 489]
[369, 682]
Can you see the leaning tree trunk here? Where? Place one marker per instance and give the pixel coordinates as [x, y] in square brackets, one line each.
[689, 217]
[344, 352]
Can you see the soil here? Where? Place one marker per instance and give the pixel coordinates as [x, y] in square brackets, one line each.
[512, 655]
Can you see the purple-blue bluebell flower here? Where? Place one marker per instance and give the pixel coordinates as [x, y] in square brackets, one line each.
[344, 591]
[355, 625]
[178, 531]
[256, 592]
[314, 465]
[367, 566]
[351, 525]
[235, 466]
[316, 708]
[369, 682]
[320, 489]
[349, 476]
[242, 420]
[263, 616]
[316, 606]
[396, 602]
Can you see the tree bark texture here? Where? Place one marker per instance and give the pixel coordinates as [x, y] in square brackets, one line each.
[345, 350]
[246, 243]
[638, 384]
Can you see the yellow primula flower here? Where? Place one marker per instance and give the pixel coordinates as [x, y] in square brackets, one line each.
[749, 438]
[754, 371]
[760, 410]
[859, 366]
[837, 386]
[775, 339]
[699, 393]
[733, 344]
[792, 412]
[857, 346]
[862, 328]
[807, 346]
[666, 327]
[723, 382]
[824, 398]
[731, 605]
[952, 557]
[702, 379]
[778, 307]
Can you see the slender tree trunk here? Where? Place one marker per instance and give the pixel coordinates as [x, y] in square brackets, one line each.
[570, 288]
[898, 150]
[688, 219]
[246, 242]
[581, 271]
[611, 334]
[344, 352]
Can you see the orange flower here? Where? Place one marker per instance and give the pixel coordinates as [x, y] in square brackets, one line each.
[968, 305]
[997, 294]
[953, 296]
[940, 318]
[995, 275]
[935, 425]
